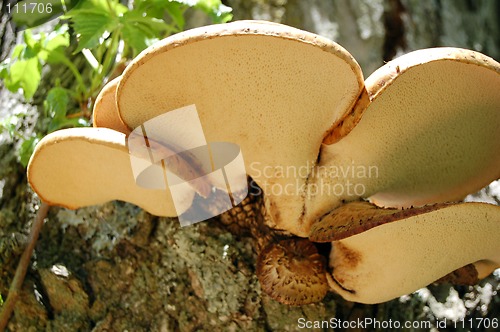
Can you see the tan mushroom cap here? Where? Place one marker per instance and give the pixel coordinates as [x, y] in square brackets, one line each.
[88, 166]
[105, 114]
[380, 257]
[274, 90]
[292, 272]
[428, 133]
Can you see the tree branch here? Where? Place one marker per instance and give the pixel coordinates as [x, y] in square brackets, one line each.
[24, 262]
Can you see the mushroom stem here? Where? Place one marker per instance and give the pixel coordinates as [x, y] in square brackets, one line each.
[290, 270]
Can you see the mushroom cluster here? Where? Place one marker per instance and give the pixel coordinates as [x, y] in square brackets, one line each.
[370, 166]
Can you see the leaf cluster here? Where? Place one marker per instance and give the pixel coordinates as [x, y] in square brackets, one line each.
[105, 33]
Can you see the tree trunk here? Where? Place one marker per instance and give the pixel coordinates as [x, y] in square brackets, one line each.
[116, 268]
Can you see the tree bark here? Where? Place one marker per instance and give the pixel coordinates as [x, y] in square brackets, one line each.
[116, 268]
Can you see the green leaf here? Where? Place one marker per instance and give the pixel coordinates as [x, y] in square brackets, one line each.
[18, 50]
[26, 150]
[111, 7]
[25, 74]
[218, 12]
[56, 103]
[33, 46]
[56, 56]
[134, 37]
[55, 40]
[59, 40]
[152, 8]
[28, 38]
[9, 124]
[67, 123]
[4, 69]
[155, 26]
[138, 31]
[90, 25]
[176, 12]
[56, 107]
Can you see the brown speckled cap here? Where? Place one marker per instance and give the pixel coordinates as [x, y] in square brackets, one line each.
[356, 217]
[292, 272]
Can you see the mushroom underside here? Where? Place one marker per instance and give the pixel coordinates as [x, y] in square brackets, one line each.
[277, 93]
[105, 113]
[428, 134]
[380, 254]
[88, 166]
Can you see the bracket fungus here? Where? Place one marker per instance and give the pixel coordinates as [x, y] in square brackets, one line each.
[247, 80]
[105, 113]
[309, 125]
[380, 254]
[428, 121]
[102, 156]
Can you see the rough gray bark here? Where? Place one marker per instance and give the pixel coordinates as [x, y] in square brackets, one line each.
[116, 268]
[374, 31]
